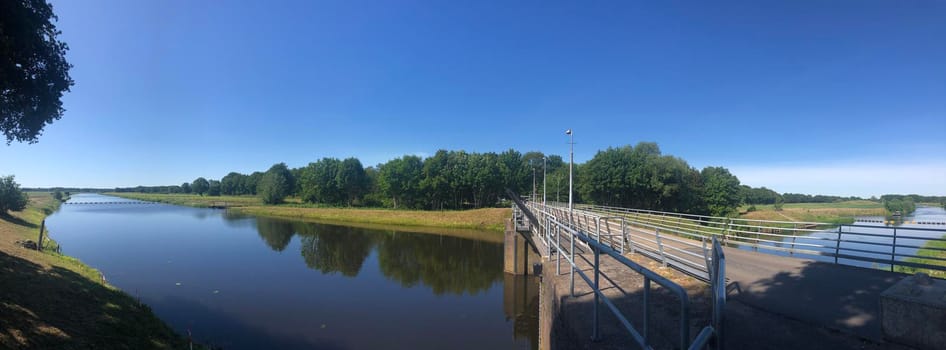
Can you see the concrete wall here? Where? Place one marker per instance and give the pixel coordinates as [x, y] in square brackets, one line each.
[913, 312]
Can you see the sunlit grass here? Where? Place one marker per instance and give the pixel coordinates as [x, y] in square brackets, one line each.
[481, 219]
[840, 212]
[48, 300]
[191, 200]
[928, 253]
[485, 219]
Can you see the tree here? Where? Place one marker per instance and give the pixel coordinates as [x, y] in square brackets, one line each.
[233, 184]
[400, 179]
[351, 179]
[200, 186]
[34, 72]
[275, 184]
[186, 187]
[214, 188]
[57, 195]
[11, 197]
[720, 191]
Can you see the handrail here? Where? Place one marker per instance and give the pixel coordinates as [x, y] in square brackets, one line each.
[807, 238]
[554, 222]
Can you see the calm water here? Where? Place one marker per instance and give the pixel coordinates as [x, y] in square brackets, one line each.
[876, 241]
[249, 283]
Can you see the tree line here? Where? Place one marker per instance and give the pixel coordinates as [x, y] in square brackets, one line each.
[630, 176]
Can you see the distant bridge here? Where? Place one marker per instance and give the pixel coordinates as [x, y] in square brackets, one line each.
[111, 202]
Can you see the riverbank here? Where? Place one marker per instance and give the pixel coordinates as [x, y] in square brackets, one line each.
[490, 219]
[839, 213]
[49, 300]
[928, 251]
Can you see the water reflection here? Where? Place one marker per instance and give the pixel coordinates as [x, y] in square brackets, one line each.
[445, 264]
[276, 233]
[276, 283]
[520, 302]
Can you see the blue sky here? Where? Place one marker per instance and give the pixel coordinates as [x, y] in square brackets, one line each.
[831, 97]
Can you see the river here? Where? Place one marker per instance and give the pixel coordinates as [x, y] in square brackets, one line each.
[253, 282]
[868, 240]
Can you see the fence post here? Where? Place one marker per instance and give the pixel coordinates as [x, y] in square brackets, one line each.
[594, 331]
[660, 247]
[837, 247]
[572, 252]
[558, 252]
[39, 243]
[646, 308]
[893, 250]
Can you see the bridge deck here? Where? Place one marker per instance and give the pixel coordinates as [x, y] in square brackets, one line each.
[807, 296]
[839, 297]
[782, 304]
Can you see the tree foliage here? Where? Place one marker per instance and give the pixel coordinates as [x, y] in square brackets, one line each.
[275, 184]
[11, 197]
[200, 186]
[34, 72]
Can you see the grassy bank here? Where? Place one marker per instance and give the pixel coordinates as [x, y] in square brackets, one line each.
[481, 219]
[840, 212]
[927, 253]
[52, 301]
[477, 219]
[191, 200]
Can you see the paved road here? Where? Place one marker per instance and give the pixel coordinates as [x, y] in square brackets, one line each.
[839, 297]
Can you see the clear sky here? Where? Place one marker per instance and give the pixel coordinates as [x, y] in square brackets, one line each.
[823, 97]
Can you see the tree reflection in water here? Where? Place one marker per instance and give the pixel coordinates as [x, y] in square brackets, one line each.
[276, 233]
[443, 263]
[332, 249]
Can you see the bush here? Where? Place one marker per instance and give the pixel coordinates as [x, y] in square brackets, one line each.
[11, 197]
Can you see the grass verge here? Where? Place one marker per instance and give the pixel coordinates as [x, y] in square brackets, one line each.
[838, 213]
[491, 219]
[53, 301]
[927, 253]
[190, 200]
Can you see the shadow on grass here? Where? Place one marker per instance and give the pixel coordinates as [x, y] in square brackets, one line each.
[16, 221]
[58, 308]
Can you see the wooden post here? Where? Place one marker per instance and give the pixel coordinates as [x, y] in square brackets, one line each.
[39, 243]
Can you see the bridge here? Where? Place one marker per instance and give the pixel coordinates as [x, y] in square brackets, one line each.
[819, 274]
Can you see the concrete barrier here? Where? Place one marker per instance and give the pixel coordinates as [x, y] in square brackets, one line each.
[913, 312]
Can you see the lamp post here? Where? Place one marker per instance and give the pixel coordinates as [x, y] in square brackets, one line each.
[571, 161]
[545, 166]
[533, 179]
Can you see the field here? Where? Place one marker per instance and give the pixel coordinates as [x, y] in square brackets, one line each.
[191, 200]
[492, 219]
[840, 212]
[48, 300]
[483, 219]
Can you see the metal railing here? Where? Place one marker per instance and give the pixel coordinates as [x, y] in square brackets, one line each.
[549, 229]
[851, 244]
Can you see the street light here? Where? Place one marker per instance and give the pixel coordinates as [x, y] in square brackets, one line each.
[571, 161]
[545, 166]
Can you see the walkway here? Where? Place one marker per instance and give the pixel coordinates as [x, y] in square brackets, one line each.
[799, 296]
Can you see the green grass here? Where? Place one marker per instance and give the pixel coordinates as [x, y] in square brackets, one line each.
[48, 300]
[840, 212]
[927, 254]
[492, 219]
[190, 200]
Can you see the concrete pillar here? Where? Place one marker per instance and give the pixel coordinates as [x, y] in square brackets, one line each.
[516, 251]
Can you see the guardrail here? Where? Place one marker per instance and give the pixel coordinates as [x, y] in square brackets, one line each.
[551, 226]
[851, 244]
